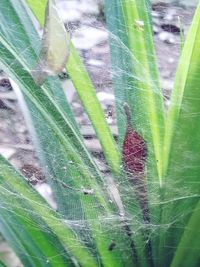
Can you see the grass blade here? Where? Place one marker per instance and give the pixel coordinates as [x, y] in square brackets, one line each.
[136, 82]
[102, 232]
[2, 264]
[52, 123]
[181, 154]
[87, 94]
[92, 106]
[135, 72]
[29, 202]
[188, 250]
[42, 96]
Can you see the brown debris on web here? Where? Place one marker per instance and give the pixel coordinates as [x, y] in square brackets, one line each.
[134, 157]
[134, 148]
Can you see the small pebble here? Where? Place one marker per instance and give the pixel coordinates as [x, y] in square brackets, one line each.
[86, 38]
[95, 62]
[156, 29]
[102, 96]
[7, 152]
[68, 11]
[89, 7]
[166, 37]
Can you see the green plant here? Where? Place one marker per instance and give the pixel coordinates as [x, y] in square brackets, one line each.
[88, 229]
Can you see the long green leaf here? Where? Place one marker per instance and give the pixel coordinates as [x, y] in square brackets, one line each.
[136, 81]
[13, 14]
[87, 94]
[29, 206]
[45, 99]
[188, 250]
[21, 234]
[135, 73]
[52, 124]
[92, 106]
[2, 264]
[94, 205]
[182, 146]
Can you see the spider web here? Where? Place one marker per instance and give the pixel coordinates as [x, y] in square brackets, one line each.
[67, 196]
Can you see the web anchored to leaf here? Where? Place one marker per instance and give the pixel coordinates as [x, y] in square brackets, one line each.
[124, 176]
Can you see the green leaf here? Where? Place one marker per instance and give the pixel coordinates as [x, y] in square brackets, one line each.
[188, 250]
[32, 227]
[21, 234]
[38, 9]
[135, 74]
[87, 94]
[61, 146]
[51, 153]
[2, 264]
[182, 146]
[136, 81]
[92, 106]
[95, 204]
